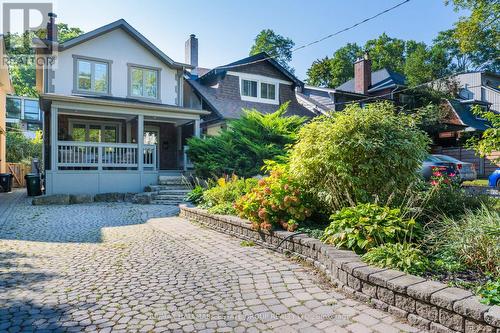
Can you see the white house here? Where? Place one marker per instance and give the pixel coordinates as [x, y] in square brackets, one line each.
[113, 109]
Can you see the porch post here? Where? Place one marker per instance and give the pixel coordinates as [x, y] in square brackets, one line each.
[140, 142]
[53, 138]
[197, 128]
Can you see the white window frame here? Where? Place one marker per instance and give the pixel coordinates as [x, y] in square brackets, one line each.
[92, 62]
[157, 98]
[260, 79]
[72, 122]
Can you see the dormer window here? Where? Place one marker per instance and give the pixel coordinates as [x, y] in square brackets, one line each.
[257, 88]
[144, 82]
[91, 75]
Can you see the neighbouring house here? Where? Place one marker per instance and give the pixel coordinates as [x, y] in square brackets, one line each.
[365, 87]
[113, 111]
[480, 86]
[256, 82]
[25, 113]
[5, 88]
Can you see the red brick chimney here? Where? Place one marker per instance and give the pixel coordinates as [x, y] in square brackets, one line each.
[52, 28]
[362, 74]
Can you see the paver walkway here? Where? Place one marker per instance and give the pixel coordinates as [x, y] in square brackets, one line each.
[100, 268]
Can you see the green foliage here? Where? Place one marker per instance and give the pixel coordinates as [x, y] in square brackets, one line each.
[332, 72]
[473, 239]
[275, 45]
[22, 57]
[21, 149]
[242, 148]
[195, 195]
[246, 243]
[405, 257]
[358, 155]
[220, 198]
[277, 200]
[490, 138]
[365, 226]
[490, 292]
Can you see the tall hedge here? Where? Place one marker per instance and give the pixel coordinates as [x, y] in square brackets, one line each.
[358, 155]
[242, 148]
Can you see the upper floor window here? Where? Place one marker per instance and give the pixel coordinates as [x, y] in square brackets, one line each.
[13, 108]
[249, 88]
[92, 75]
[31, 110]
[22, 108]
[258, 88]
[144, 82]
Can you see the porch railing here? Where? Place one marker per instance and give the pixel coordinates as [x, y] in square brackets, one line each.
[103, 155]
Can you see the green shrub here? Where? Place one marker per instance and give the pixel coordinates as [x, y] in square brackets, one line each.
[276, 201]
[358, 154]
[220, 198]
[490, 292]
[366, 226]
[473, 239]
[405, 257]
[195, 195]
[242, 148]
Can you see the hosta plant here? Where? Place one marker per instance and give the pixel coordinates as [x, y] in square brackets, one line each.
[365, 226]
[405, 257]
[276, 201]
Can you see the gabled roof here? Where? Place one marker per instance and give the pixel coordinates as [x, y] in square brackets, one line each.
[213, 75]
[122, 24]
[467, 117]
[382, 79]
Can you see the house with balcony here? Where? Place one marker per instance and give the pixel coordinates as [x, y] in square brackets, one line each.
[25, 113]
[112, 104]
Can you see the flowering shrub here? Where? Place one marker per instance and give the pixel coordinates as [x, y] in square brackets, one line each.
[276, 201]
[220, 198]
[442, 179]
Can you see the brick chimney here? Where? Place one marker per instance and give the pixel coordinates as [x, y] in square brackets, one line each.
[362, 74]
[191, 51]
[52, 28]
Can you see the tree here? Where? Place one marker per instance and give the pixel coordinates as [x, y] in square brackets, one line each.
[320, 73]
[23, 72]
[243, 147]
[489, 141]
[424, 64]
[275, 45]
[21, 149]
[387, 52]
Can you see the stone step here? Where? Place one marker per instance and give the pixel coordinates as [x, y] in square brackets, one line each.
[170, 180]
[158, 188]
[167, 202]
[174, 191]
[169, 197]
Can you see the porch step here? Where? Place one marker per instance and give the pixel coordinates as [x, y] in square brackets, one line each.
[169, 197]
[159, 188]
[167, 202]
[170, 180]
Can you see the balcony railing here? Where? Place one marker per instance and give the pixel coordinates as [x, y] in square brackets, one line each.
[103, 155]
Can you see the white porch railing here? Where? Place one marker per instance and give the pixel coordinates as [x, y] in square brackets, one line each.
[107, 155]
[186, 163]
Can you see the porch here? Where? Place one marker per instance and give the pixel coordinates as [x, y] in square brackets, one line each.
[113, 147]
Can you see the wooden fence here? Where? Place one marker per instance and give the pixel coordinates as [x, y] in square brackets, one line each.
[484, 165]
[18, 172]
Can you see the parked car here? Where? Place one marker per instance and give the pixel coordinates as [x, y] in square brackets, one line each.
[494, 179]
[465, 170]
[432, 163]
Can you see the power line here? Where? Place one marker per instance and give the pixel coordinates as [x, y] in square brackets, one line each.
[321, 39]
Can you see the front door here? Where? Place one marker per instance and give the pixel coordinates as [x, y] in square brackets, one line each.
[152, 137]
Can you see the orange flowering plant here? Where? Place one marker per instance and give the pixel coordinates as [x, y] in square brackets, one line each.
[277, 200]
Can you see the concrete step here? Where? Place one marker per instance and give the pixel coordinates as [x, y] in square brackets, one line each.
[170, 180]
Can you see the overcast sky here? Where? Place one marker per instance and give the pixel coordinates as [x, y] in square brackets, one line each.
[226, 28]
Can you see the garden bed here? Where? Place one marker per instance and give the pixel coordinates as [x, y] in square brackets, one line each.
[424, 303]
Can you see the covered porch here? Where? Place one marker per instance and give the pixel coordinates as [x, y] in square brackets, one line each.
[97, 146]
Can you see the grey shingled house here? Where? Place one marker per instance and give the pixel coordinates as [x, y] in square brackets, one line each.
[256, 82]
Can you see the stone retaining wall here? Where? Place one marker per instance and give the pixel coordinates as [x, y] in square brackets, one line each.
[426, 304]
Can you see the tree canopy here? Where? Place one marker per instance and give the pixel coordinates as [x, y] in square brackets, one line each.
[275, 45]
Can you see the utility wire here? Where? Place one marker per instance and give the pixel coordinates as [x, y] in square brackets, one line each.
[321, 39]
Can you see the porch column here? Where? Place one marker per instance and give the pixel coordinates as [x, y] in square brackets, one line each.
[197, 128]
[53, 138]
[140, 142]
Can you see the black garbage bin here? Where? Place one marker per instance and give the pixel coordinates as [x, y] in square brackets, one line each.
[33, 184]
[5, 182]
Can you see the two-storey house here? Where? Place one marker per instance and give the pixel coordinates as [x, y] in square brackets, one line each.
[114, 118]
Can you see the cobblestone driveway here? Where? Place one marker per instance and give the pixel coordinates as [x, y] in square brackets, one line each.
[98, 268]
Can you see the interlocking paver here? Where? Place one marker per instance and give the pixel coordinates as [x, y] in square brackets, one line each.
[100, 267]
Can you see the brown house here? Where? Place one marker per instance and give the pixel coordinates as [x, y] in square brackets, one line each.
[256, 82]
[5, 88]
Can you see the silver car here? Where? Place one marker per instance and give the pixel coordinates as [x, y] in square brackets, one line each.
[432, 163]
[465, 170]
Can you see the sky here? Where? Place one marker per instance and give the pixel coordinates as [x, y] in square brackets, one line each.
[226, 28]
